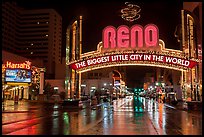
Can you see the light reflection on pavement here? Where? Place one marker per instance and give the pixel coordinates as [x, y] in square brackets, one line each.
[152, 118]
[127, 116]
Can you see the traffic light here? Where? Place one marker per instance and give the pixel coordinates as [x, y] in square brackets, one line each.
[138, 90]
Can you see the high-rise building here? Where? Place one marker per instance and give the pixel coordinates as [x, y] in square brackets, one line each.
[10, 13]
[34, 34]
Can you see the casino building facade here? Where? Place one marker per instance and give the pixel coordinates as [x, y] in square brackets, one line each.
[18, 73]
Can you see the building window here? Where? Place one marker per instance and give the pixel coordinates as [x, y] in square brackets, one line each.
[95, 74]
[91, 74]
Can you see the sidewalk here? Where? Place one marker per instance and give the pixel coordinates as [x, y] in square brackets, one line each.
[181, 105]
[10, 106]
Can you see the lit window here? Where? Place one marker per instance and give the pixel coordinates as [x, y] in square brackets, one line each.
[47, 22]
[31, 44]
[46, 35]
[38, 22]
[31, 52]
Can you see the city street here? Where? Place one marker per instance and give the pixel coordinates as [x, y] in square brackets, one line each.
[127, 116]
[101, 68]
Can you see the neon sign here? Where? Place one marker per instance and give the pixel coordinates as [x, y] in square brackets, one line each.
[26, 65]
[132, 46]
[135, 37]
[132, 58]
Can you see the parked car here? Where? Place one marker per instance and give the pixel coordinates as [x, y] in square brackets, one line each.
[172, 98]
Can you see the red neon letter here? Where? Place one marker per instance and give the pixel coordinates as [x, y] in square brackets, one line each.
[136, 36]
[109, 37]
[123, 37]
[151, 35]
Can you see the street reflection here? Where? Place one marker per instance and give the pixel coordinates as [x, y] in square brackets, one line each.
[66, 121]
[55, 122]
[138, 104]
[132, 116]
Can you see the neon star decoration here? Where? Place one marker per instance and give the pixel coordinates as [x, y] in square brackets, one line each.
[131, 12]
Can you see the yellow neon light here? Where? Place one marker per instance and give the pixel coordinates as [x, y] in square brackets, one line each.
[183, 34]
[159, 51]
[161, 44]
[126, 64]
[20, 84]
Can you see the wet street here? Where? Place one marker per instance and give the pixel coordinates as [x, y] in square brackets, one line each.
[127, 116]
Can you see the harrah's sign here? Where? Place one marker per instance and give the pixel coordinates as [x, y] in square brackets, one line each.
[134, 37]
[25, 65]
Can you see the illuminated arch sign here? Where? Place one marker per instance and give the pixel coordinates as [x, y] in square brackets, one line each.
[132, 46]
[134, 58]
[131, 38]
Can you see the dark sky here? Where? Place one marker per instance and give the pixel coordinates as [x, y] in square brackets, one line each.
[99, 14]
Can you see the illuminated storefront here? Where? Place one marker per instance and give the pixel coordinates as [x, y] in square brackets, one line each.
[17, 77]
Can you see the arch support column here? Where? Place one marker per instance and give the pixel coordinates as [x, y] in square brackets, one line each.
[73, 52]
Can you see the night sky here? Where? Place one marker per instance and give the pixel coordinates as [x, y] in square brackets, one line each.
[99, 14]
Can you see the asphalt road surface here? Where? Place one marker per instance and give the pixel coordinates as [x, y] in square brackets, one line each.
[127, 116]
